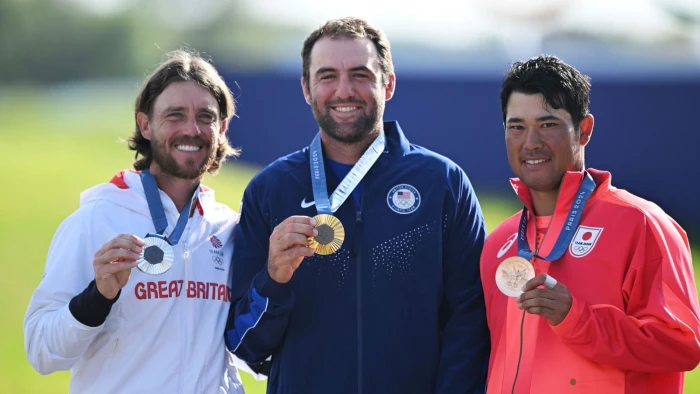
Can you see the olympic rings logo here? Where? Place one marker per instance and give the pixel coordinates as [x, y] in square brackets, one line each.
[579, 248]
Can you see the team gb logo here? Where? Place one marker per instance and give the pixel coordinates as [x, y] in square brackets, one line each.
[584, 240]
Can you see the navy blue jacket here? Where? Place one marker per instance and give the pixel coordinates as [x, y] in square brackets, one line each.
[398, 309]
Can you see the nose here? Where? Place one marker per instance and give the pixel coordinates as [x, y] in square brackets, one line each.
[191, 127]
[345, 88]
[533, 140]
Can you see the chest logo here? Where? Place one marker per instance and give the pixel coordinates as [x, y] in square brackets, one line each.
[403, 199]
[215, 242]
[509, 242]
[584, 240]
[305, 204]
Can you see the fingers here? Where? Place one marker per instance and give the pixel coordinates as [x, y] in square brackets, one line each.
[122, 241]
[538, 302]
[295, 225]
[299, 219]
[537, 293]
[116, 255]
[290, 240]
[535, 282]
[293, 231]
[546, 297]
[113, 268]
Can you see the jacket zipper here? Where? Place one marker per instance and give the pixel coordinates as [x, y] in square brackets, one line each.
[183, 353]
[358, 259]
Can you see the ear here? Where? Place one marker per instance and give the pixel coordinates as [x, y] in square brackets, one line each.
[586, 127]
[307, 93]
[390, 87]
[144, 125]
[224, 127]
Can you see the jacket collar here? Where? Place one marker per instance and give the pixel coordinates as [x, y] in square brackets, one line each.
[131, 179]
[567, 192]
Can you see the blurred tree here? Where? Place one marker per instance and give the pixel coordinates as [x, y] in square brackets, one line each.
[47, 41]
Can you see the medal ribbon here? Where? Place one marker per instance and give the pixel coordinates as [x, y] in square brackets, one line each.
[150, 187]
[325, 205]
[584, 191]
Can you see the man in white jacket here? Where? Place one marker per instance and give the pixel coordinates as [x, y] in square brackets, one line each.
[158, 327]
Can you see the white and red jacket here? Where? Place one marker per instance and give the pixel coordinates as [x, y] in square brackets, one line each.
[165, 333]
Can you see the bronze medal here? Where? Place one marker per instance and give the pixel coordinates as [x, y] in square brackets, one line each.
[512, 274]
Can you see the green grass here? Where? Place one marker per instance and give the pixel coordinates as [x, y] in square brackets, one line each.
[52, 148]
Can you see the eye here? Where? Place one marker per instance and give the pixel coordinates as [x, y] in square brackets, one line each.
[207, 118]
[360, 75]
[327, 77]
[548, 125]
[515, 127]
[176, 115]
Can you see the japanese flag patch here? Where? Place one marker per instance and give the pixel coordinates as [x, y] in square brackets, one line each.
[584, 240]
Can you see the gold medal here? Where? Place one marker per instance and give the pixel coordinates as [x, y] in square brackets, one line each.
[330, 235]
[512, 274]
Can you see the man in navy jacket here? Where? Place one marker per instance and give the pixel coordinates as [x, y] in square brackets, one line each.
[397, 305]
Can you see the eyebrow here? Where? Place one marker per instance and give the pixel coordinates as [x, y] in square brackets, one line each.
[331, 69]
[173, 108]
[540, 119]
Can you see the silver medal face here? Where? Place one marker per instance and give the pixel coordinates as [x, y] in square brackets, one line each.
[156, 257]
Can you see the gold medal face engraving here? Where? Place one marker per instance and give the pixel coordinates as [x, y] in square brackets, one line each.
[330, 235]
[512, 274]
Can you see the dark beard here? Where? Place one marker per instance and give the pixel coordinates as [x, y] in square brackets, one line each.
[170, 166]
[360, 129]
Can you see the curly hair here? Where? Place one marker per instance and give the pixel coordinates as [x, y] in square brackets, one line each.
[178, 66]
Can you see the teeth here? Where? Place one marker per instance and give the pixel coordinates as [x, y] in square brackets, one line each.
[345, 109]
[535, 161]
[187, 148]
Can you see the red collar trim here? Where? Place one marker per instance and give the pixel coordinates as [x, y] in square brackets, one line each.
[118, 181]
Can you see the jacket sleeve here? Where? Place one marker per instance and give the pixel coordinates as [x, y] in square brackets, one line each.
[465, 337]
[658, 330]
[260, 306]
[53, 338]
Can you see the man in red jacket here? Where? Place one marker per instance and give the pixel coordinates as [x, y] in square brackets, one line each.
[588, 289]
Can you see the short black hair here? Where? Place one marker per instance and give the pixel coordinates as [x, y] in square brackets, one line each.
[562, 85]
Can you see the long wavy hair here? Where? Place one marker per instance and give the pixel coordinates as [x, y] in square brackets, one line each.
[178, 66]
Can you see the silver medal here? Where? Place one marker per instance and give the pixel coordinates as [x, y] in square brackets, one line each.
[157, 255]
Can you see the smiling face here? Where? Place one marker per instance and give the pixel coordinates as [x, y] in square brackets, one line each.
[184, 130]
[543, 143]
[346, 89]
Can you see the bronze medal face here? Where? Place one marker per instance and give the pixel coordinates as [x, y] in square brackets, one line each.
[330, 235]
[512, 274]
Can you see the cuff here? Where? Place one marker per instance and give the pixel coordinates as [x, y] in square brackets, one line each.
[279, 293]
[90, 307]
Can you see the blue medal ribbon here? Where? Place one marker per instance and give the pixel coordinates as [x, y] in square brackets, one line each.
[324, 204]
[155, 206]
[567, 233]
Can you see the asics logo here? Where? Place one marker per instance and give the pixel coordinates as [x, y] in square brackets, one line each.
[305, 204]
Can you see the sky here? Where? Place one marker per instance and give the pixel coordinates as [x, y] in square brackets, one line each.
[505, 29]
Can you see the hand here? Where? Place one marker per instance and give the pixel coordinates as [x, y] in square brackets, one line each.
[113, 263]
[288, 246]
[553, 304]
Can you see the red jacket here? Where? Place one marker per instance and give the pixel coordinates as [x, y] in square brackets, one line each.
[633, 326]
